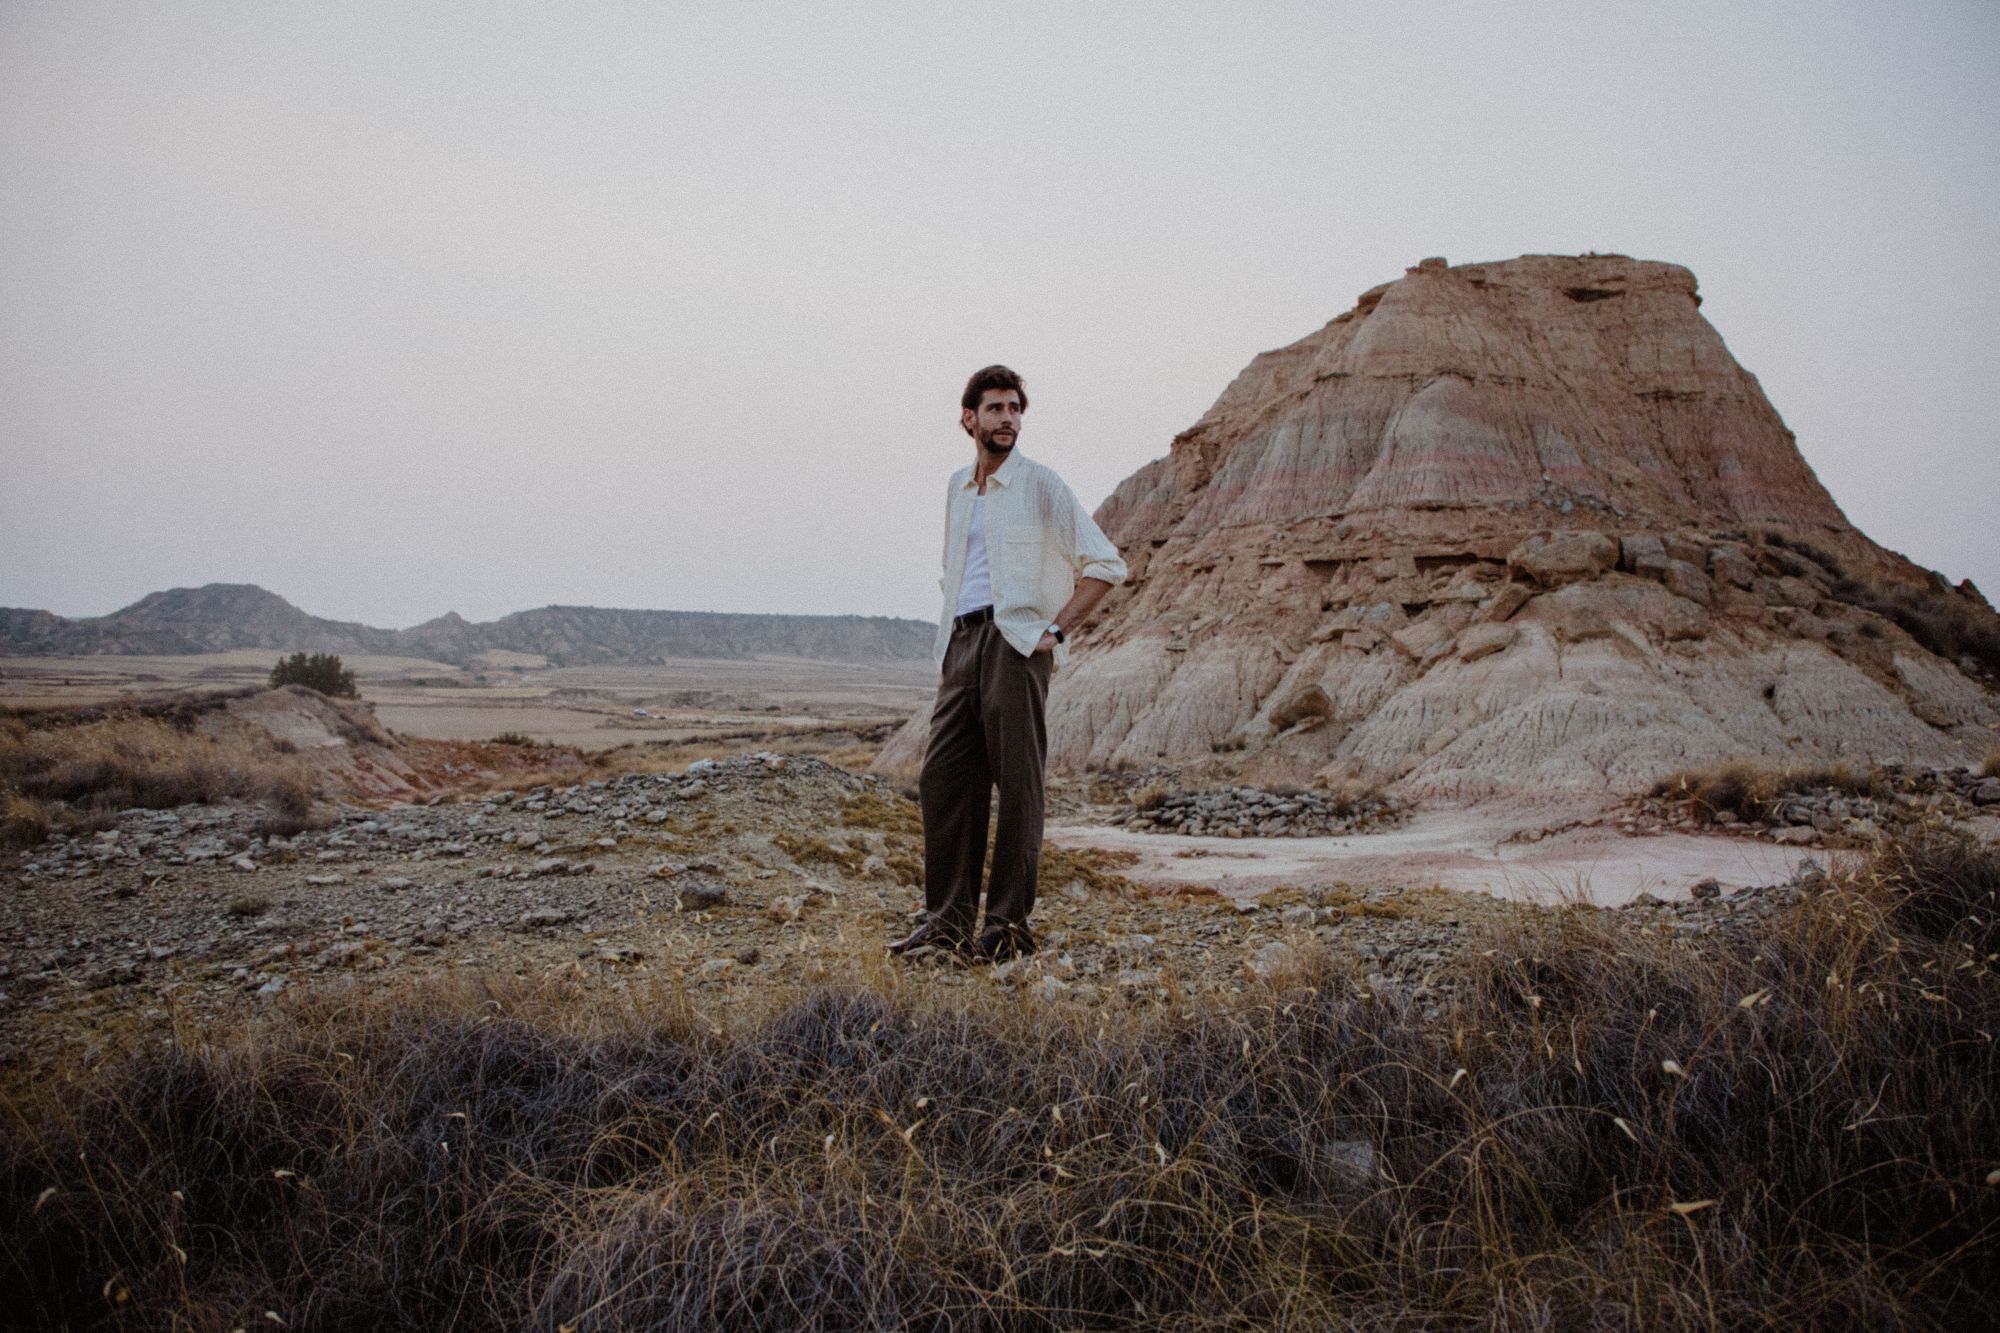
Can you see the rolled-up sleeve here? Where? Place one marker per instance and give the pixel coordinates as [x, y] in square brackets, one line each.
[1092, 554]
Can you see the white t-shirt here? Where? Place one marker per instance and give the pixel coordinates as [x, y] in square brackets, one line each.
[975, 588]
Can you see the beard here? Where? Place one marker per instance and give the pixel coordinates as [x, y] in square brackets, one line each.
[997, 443]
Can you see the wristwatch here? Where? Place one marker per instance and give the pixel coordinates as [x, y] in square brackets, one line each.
[1056, 630]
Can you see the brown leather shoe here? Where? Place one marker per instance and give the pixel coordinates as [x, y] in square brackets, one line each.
[928, 935]
[1000, 943]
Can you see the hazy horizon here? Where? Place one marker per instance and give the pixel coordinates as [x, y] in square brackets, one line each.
[479, 308]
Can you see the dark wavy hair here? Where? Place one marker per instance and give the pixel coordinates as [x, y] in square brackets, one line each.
[993, 377]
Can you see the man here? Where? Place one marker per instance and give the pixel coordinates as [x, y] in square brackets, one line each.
[1024, 564]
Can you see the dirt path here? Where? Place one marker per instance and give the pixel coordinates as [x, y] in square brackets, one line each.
[1494, 850]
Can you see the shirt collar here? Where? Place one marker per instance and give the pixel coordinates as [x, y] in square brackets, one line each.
[1002, 475]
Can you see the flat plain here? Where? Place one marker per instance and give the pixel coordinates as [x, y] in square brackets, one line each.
[698, 705]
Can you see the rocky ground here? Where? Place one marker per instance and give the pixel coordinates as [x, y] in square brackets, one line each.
[1890, 798]
[726, 885]
[1255, 812]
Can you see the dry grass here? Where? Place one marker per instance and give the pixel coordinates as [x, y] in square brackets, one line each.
[1947, 623]
[1753, 791]
[1096, 867]
[811, 850]
[1991, 768]
[884, 812]
[1357, 796]
[118, 761]
[1603, 1131]
[24, 821]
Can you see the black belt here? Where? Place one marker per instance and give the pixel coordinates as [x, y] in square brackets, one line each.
[979, 617]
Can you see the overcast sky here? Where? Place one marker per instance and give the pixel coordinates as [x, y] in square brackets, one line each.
[400, 308]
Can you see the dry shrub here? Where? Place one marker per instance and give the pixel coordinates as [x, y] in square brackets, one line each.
[1357, 796]
[1948, 623]
[1152, 797]
[1752, 791]
[1991, 768]
[1824, 559]
[1604, 1130]
[1944, 885]
[24, 822]
[117, 762]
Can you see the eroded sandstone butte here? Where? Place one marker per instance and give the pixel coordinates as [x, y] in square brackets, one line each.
[1516, 527]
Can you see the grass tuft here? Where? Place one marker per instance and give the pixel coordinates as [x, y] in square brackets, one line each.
[24, 822]
[1752, 791]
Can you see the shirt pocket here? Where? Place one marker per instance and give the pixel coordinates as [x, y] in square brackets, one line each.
[1021, 567]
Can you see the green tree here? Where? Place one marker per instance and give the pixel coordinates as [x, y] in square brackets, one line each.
[315, 671]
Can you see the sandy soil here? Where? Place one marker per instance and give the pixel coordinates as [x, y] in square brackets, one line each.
[1493, 850]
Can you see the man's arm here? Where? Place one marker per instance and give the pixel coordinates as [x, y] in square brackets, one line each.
[1089, 592]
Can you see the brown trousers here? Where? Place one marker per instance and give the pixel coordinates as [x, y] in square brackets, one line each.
[987, 731]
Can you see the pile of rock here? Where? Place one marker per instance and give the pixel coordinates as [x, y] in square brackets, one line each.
[1247, 812]
[1903, 796]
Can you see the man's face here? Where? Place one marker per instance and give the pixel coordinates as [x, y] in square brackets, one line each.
[997, 423]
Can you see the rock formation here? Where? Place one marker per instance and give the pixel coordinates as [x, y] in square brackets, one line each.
[223, 616]
[1511, 527]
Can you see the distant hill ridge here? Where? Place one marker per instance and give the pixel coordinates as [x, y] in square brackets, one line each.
[220, 617]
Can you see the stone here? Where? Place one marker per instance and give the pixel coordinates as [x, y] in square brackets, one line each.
[1477, 641]
[1704, 889]
[1354, 1157]
[1986, 793]
[1685, 549]
[1560, 558]
[699, 895]
[1271, 960]
[786, 908]
[1684, 580]
[1639, 548]
[1683, 620]
[1424, 642]
[1301, 705]
[1511, 598]
[1730, 565]
[551, 865]
[1796, 835]
[542, 918]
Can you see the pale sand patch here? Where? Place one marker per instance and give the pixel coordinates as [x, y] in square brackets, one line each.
[1471, 848]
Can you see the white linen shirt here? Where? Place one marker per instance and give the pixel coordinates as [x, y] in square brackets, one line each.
[1039, 542]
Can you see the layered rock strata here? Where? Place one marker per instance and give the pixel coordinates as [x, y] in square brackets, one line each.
[1518, 527]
